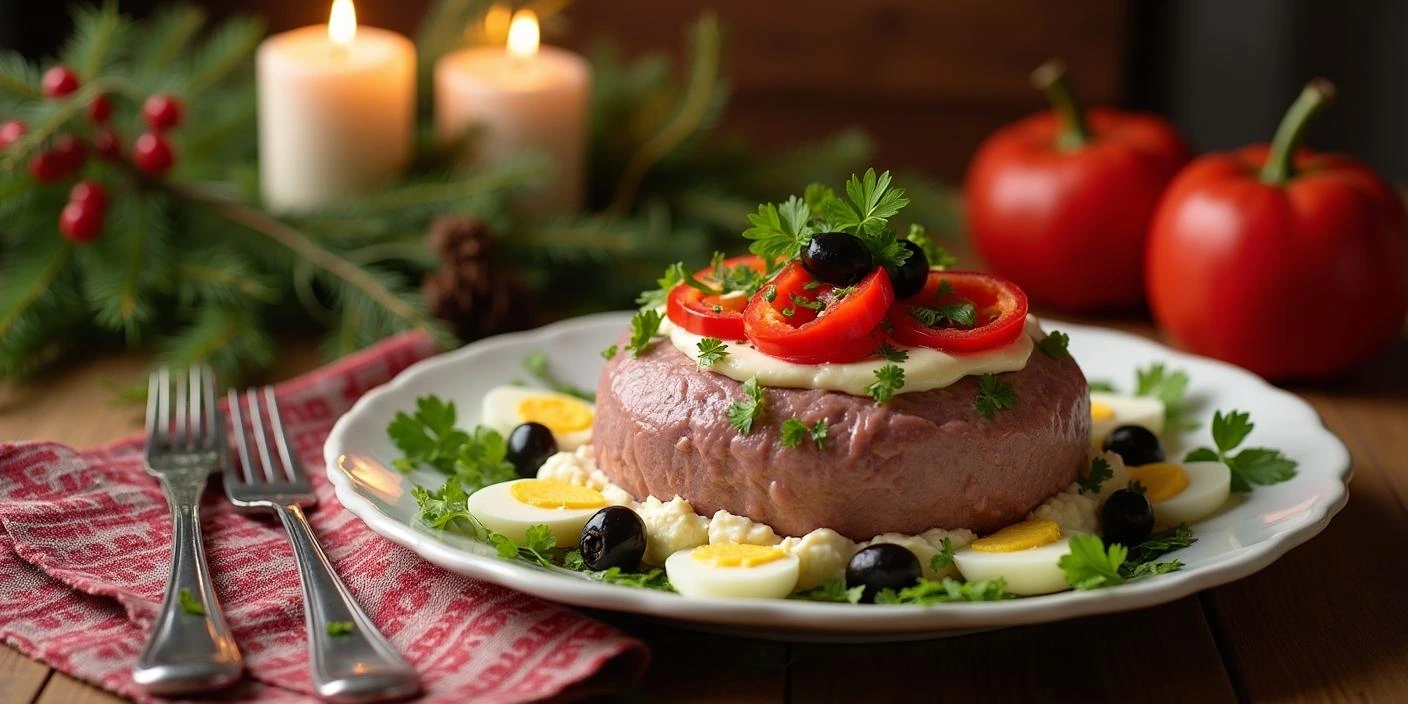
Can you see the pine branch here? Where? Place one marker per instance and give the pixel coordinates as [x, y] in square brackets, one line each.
[19, 80]
[230, 48]
[220, 275]
[97, 32]
[123, 269]
[169, 32]
[38, 303]
[231, 339]
[707, 42]
[51, 118]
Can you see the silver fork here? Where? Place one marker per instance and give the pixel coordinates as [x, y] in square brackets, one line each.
[190, 648]
[350, 660]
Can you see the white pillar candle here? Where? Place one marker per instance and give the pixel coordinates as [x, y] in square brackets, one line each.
[336, 111]
[523, 99]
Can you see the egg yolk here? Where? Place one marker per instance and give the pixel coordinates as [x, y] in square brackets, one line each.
[736, 555]
[1162, 480]
[555, 493]
[1100, 411]
[1019, 536]
[560, 415]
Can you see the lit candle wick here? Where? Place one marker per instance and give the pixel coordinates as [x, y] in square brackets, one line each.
[342, 25]
[523, 37]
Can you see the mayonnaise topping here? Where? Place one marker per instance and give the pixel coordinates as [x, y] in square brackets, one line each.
[925, 368]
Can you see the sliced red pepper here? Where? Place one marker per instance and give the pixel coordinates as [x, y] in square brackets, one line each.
[712, 315]
[999, 313]
[799, 319]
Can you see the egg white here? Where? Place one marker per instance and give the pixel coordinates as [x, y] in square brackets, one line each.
[500, 412]
[1027, 572]
[1209, 485]
[1129, 410]
[500, 512]
[771, 580]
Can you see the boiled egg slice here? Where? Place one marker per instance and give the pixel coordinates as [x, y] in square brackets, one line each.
[513, 507]
[1024, 555]
[733, 570]
[1110, 411]
[569, 418]
[1183, 493]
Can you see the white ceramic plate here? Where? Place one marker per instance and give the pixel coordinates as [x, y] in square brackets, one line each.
[1241, 539]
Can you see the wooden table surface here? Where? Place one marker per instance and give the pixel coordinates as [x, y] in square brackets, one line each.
[1328, 622]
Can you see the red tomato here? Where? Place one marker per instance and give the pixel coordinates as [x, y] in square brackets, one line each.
[846, 329]
[1060, 201]
[1000, 312]
[711, 315]
[1289, 263]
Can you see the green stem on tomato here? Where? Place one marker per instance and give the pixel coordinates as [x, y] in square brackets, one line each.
[1278, 168]
[1051, 78]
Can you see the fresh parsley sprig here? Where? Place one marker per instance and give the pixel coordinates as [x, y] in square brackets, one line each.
[1093, 565]
[946, 590]
[1253, 465]
[795, 431]
[833, 590]
[1100, 472]
[889, 379]
[865, 212]
[994, 395]
[653, 578]
[711, 350]
[944, 557]
[1169, 386]
[428, 436]
[780, 232]
[645, 326]
[746, 411]
[890, 353]
[961, 314]
[1054, 344]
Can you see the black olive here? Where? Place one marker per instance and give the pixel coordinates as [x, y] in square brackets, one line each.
[1127, 518]
[1136, 444]
[529, 446]
[613, 537]
[909, 278]
[837, 258]
[882, 566]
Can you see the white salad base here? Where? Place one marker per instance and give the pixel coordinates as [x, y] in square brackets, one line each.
[925, 369]
[674, 525]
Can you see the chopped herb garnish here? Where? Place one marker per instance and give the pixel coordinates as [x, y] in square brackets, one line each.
[962, 314]
[650, 579]
[1161, 543]
[890, 353]
[779, 232]
[946, 590]
[770, 294]
[889, 379]
[427, 437]
[655, 298]
[644, 327]
[189, 603]
[994, 395]
[1137, 487]
[944, 557]
[538, 367]
[340, 628]
[610, 352]
[833, 590]
[795, 432]
[1093, 565]
[801, 302]
[1100, 472]
[483, 459]
[789, 311]
[1054, 344]
[841, 293]
[811, 285]
[1168, 386]
[711, 350]
[748, 409]
[1253, 465]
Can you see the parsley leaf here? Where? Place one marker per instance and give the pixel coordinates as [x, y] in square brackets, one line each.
[189, 604]
[428, 437]
[888, 380]
[801, 302]
[871, 203]
[779, 232]
[1160, 544]
[795, 432]
[948, 589]
[644, 327]
[1168, 386]
[1090, 565]
[446, 507]
[833, 590]
[650, 300]
[746, 410]
[1100, 471]
[938, 257]
[340, 628]
[816, 194]
[483, 460]
[711, 350]
[538, 367]
[1054, 344]
[1253, 465]
[890, 353]
[540, 542]
[819, 432]
[993, 396]
[651, 579]
[943, 558]
[740, 278]
[961, 314]
[609, 353]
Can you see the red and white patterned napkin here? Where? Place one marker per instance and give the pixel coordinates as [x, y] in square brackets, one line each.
[84, 558]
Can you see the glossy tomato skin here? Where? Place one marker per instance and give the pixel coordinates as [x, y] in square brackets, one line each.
[1001, 313]
[708, 315]
[1301, 280]
[846, 330]
[1069, 226]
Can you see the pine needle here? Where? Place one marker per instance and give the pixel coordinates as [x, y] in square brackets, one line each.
[97, 31]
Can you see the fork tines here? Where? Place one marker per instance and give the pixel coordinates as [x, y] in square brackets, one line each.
[276, 464]
[183, 418]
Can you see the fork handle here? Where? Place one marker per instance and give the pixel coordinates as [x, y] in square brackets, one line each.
[349, 664]
[190, 648]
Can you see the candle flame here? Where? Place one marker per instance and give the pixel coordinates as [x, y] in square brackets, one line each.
[342, 22]
[523, 35]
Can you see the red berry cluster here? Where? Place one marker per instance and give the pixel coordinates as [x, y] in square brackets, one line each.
[82, 218]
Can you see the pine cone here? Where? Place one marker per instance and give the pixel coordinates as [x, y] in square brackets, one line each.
[470, 290]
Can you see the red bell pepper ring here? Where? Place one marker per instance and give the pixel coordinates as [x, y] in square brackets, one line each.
[799, 319]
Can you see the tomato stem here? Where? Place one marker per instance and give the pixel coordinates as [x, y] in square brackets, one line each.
[1278, 168]
[1051, 78]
